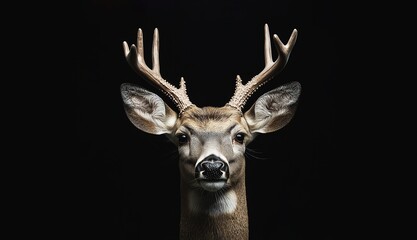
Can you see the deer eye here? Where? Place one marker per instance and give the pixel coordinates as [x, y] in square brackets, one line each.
[182, 138]
[240, 137]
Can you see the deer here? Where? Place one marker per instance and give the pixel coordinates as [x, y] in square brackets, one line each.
[211, 141]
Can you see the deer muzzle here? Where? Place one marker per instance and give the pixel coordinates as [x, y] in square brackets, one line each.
[212, 173]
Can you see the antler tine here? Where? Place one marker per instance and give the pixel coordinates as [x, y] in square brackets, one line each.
[135, 58]
[243, 92]
[155, 51]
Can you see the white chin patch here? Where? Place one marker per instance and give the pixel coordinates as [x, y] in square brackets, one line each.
[212, 186]
[214, 205]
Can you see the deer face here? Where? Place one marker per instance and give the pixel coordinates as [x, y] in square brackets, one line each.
[211, 140]
[211, 144]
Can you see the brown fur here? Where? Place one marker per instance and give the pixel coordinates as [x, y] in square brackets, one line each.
[202, 226]
[223, 227]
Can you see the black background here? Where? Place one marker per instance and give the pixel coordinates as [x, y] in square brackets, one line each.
[129, 180]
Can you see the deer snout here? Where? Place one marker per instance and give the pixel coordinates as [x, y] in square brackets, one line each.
[212, 168]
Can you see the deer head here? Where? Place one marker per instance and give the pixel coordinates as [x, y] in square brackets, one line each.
[211, 141]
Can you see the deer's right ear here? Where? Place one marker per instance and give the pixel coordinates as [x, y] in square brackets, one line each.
[147, 111]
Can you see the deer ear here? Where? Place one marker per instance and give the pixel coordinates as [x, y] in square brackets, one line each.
[147, 111]
[274, 109]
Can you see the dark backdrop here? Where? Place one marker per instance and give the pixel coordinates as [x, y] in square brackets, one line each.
[129, 180]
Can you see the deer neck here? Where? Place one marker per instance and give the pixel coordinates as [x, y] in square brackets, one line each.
[220, 215]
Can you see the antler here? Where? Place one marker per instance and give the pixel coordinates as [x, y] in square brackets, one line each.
[136, 60]
[243, 92]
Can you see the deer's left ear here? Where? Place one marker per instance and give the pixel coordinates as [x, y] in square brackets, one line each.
[274, 109]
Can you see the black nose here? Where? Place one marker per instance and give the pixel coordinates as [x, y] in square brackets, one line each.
[212, 168]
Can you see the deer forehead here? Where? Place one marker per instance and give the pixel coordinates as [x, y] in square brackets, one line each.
[216, 120]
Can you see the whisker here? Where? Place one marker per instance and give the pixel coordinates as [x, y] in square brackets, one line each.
[251, 153]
